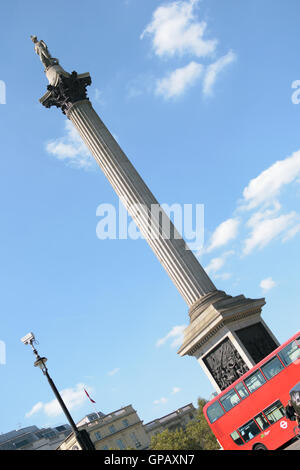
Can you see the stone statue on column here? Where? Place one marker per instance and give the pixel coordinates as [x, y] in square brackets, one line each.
[42, 51]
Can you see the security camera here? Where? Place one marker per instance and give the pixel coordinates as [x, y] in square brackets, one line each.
[28, 339]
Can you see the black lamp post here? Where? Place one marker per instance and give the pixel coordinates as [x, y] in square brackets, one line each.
[82, 436]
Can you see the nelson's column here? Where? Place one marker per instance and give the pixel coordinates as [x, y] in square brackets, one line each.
[226, 334]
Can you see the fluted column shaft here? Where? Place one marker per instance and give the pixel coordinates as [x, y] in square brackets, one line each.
[180, 263]
[226, 334]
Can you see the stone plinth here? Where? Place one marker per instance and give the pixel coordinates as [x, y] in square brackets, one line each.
[227, 336]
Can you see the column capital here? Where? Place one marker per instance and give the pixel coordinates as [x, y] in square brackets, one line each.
[65, 89]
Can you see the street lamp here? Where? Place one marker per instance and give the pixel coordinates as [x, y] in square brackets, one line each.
[82, 436]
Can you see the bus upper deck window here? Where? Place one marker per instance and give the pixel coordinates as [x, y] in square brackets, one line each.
[291, 352]
[230, 400]
[272, 368]
[214, 412]
[242, 391]
[255, 381]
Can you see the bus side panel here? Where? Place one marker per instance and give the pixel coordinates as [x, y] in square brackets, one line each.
[275, 435]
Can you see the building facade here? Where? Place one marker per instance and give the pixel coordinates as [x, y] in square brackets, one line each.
[33, 438]
[122, 429]
[176, 420]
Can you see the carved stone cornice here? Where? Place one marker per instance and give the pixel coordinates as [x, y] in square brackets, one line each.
[204, 302]
[223, 322]
[209, 317]
[69, 89]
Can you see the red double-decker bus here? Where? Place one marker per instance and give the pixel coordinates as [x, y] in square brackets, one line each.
[250, 413]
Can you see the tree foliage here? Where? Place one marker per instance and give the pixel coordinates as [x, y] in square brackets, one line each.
[196, 436]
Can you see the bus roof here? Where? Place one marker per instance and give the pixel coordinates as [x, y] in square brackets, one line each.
[250, 371]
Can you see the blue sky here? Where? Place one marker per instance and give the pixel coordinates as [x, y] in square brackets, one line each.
[199, 95]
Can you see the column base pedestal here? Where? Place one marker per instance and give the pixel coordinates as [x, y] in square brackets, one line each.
[227, 336]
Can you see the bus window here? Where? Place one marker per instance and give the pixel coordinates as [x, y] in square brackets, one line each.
[272, 368]
[275, 412]
[255, 381]
[242, 391]
[230, 400]
[237, 438]
[290, 353]
[214, 412]
[261, 421]
[249, 430]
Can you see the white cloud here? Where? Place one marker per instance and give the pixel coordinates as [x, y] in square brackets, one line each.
[263, 214]
[72, 397]
[268, 184]
[262, 194]
[223, 276]
[265, 230]
[71, 149]
[214, 265]
[98, 95]
[176, 83]
[213, 70]
[267, 284]
[217, 263]
[266, 219]
[174, 29]
[176, 334]
[161, 401]
[114, 371]
[35, 409]
[224, 233]
[291, 233]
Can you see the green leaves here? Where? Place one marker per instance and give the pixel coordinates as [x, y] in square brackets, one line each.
[196, 435]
